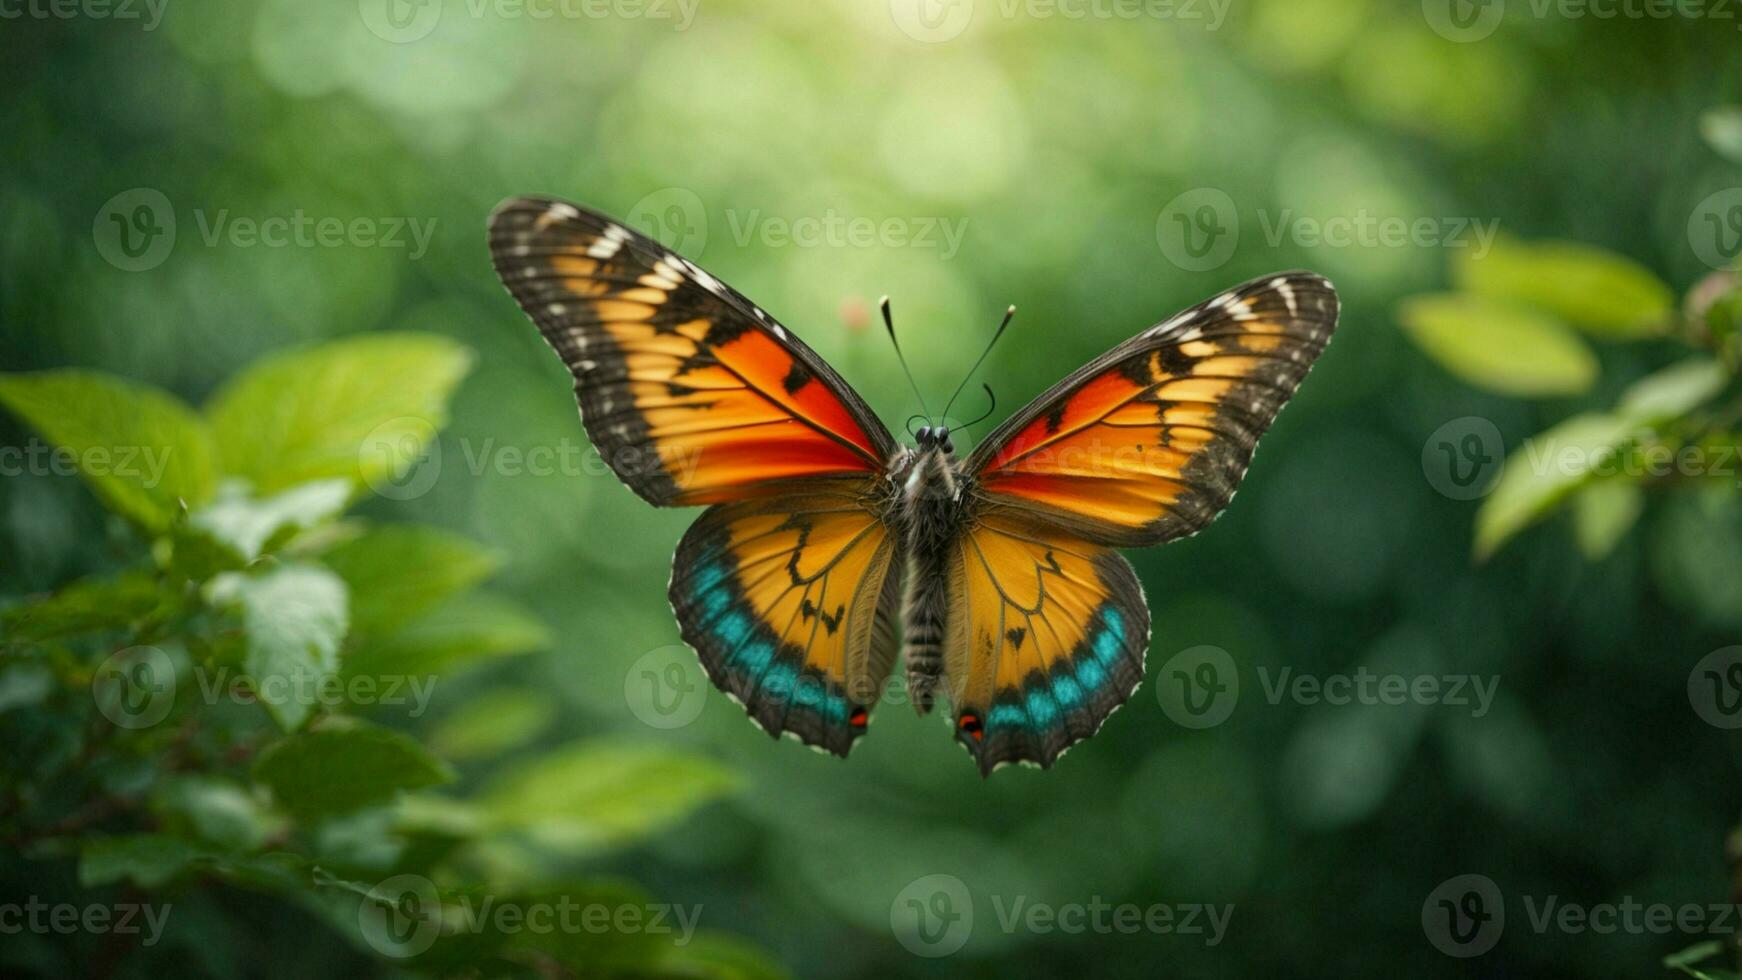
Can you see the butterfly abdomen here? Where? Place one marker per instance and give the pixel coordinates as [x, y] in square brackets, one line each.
[931, 502]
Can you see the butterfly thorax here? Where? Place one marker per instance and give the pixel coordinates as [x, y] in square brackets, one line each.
[933, 500]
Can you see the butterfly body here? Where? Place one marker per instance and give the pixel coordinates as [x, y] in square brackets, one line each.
[827, 551]
[935, 504]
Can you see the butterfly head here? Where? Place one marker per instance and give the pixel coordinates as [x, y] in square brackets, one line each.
[935, 437]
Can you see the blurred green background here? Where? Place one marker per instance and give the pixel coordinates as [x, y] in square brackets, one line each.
[1056, 148]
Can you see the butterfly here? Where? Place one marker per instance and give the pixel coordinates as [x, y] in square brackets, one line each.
[828, 549]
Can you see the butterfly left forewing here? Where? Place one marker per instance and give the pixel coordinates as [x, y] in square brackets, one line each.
[690, 392]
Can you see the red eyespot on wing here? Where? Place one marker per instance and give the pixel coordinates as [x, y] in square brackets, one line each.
[970, 726]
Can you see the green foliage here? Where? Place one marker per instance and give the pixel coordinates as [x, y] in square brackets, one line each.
[593, 795]
[191, 721]
[332, 411]
[1512, 331]
[341, 768]
[1503, 348]
[145, 453]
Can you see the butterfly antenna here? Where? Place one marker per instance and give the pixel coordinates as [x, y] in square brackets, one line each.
[990, 408]
[889, 323]
[1007, 315]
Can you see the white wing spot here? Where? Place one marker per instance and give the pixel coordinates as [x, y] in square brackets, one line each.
[604, 248]
[557, 309]
[564, 212]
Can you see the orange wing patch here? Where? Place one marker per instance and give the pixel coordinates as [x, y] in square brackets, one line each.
[1149, 442]
[691, 393]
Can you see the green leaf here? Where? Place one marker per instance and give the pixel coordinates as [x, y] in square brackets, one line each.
[1591, 288]
[245, 525]
[148, 860]
[1540, 475]
[396, 572]
[86, 606]
[1721, 128]
[602, 793]
[295, 618]
[1603, 512]
[494, 722]
[471, 627]
[1674, 391]
[215, 810]
[357, 408]
[1694, 954]
[1499, 346]
[339, 768]
[141, 450]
